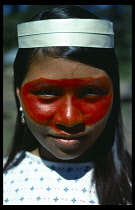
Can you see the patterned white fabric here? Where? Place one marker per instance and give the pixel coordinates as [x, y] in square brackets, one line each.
[35, 181]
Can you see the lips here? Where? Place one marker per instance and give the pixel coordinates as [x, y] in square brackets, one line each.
[67, 140]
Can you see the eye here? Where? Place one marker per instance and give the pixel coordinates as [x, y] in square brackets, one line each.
[47, 94]
[93, 93]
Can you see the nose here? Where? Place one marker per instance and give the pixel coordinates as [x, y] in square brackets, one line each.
[69, 118]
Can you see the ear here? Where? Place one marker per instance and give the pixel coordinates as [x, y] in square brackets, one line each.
[18, 93]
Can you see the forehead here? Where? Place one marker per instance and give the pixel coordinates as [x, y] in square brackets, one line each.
[58, 68]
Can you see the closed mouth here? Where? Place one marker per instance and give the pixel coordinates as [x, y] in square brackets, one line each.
[67, 141]
[67, 137]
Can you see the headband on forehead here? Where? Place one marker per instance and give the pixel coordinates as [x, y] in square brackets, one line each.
[66, 32]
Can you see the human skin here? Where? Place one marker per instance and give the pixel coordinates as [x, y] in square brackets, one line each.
[66, 106]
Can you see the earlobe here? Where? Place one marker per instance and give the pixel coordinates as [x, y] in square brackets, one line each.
[18, 93]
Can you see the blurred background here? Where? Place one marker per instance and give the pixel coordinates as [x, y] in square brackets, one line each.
[120, 15]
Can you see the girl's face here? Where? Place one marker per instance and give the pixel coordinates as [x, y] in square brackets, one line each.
[66, 106]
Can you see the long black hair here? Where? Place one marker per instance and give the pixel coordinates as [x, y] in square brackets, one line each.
[112, 169]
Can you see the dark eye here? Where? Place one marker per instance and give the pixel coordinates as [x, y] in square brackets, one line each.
[93, 93]
[47, 94]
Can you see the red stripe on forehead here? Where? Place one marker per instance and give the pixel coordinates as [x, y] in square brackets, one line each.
[69, 82]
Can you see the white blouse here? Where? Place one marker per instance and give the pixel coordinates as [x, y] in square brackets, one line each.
[35, 181]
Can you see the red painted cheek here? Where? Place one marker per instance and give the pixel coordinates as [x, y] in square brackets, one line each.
[36, 109]
[95, 111]
[65, 110]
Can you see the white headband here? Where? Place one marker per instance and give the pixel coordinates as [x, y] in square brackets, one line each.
[66, 32]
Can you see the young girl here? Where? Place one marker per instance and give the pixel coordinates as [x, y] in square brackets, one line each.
[68, 146]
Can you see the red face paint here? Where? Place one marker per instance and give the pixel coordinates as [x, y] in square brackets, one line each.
[67, 101]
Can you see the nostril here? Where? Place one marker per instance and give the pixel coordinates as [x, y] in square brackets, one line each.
[71, 129]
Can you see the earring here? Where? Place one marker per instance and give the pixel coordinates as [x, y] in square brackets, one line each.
[22, 116]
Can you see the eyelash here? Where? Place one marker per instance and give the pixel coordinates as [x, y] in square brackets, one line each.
[93, 92]
[47, 94]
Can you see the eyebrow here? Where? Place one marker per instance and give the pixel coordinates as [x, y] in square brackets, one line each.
[99, 82]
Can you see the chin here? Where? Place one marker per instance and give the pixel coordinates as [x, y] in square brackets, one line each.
[67, 155]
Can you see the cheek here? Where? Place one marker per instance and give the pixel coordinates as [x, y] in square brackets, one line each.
[95, 111]
[38, 110]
